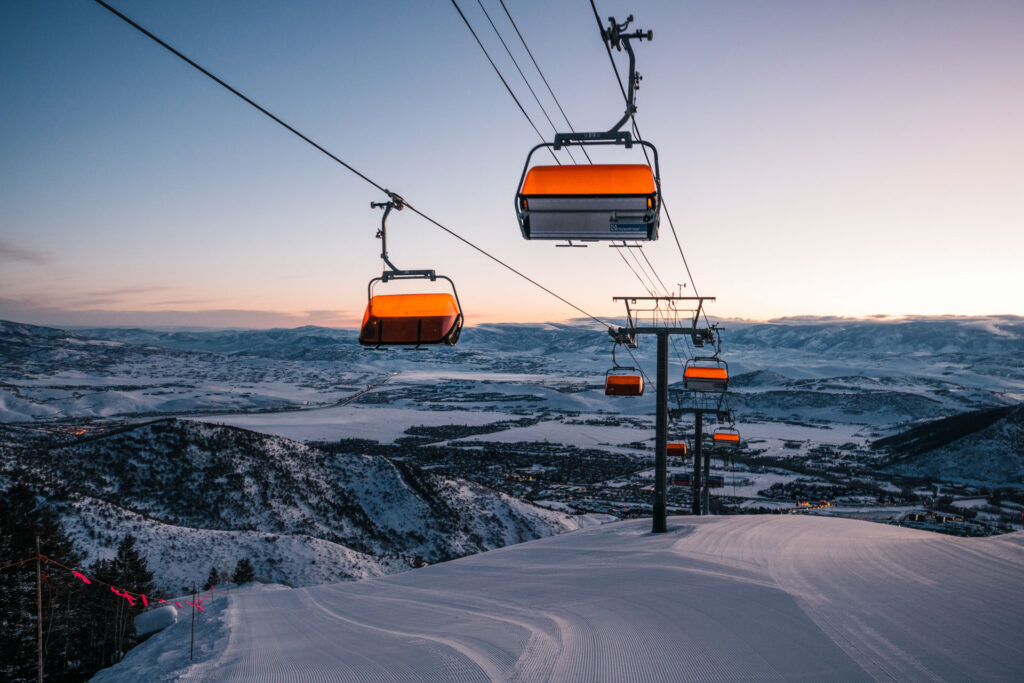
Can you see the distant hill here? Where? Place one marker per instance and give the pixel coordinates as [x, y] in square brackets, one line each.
[877, 372]
[978, 446]
[200, 495]
[983, 335]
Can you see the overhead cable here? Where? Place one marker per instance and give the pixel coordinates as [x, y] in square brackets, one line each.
[234, 91]
[537, 66]
[525, 80]
[636, 131]
[323, 150]
[504, 82]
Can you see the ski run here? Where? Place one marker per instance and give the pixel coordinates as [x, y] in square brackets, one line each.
[716, 598]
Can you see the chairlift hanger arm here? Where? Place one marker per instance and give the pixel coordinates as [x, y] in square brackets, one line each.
[395, 202]
[615, 37]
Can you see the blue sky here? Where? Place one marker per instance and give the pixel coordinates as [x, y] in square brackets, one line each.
[826, 158]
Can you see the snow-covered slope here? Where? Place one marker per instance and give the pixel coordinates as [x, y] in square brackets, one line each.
[731, 598]
[201, 495]
[994, 453]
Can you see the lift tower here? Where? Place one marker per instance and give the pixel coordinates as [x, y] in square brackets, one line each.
[664, 328]
[701, 490]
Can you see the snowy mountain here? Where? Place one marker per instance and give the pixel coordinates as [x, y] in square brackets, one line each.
[972, 336]
[316, 480]
[48, 374]
[873, 372]
[716, 598]
[796, 384]
[201, 495]
[301, 343]
[977, 447]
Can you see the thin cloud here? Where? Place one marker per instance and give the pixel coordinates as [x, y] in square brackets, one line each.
[108, 297]
[12, 252]
[25, 311]
[181, 302]
[122, 291]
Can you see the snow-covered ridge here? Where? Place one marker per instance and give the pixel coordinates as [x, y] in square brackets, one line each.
[994, 453]
[200, 494]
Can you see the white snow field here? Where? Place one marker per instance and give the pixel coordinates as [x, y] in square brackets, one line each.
[715, 598]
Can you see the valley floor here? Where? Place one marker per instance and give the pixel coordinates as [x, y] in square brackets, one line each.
[715, 598]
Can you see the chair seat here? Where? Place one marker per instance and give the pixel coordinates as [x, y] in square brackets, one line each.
[411, 320]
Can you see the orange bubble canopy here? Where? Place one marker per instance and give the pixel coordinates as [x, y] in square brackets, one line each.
[726, 437]
[676, 449]
[697, 372]
[411, 319]
[590, 179]
[624, 385]
[705, 378]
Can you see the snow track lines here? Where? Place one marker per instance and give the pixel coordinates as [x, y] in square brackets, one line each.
[715, 598]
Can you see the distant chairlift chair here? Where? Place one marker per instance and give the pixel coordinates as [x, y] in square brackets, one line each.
[675, 449]
[706, 374]
[726, 438]
[623, 381]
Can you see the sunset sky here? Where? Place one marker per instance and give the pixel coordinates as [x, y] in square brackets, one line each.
[818, 157]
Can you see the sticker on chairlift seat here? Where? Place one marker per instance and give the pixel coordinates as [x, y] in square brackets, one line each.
[628, 227]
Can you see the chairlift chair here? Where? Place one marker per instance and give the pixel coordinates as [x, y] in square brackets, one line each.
[418, 319]
[588, 202]
[706, 374]
[676, 450]
[622, 380]
[726, 437]
[411, 319]
[714, 481]
[595, 201]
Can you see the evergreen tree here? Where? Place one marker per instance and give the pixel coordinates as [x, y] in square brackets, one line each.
[244, 573]
[23, 517]
[113, 626]
[212, 579]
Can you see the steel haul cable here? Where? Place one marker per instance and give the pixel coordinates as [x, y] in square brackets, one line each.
[320, 148]
[504, 82]
[516, 64]
[542, 77]
[636, 130]
[650, 287]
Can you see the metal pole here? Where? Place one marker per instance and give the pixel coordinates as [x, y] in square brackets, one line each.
[698, 448]
[707, 488]
[192, 644]
[661, 436]
[39, 605]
